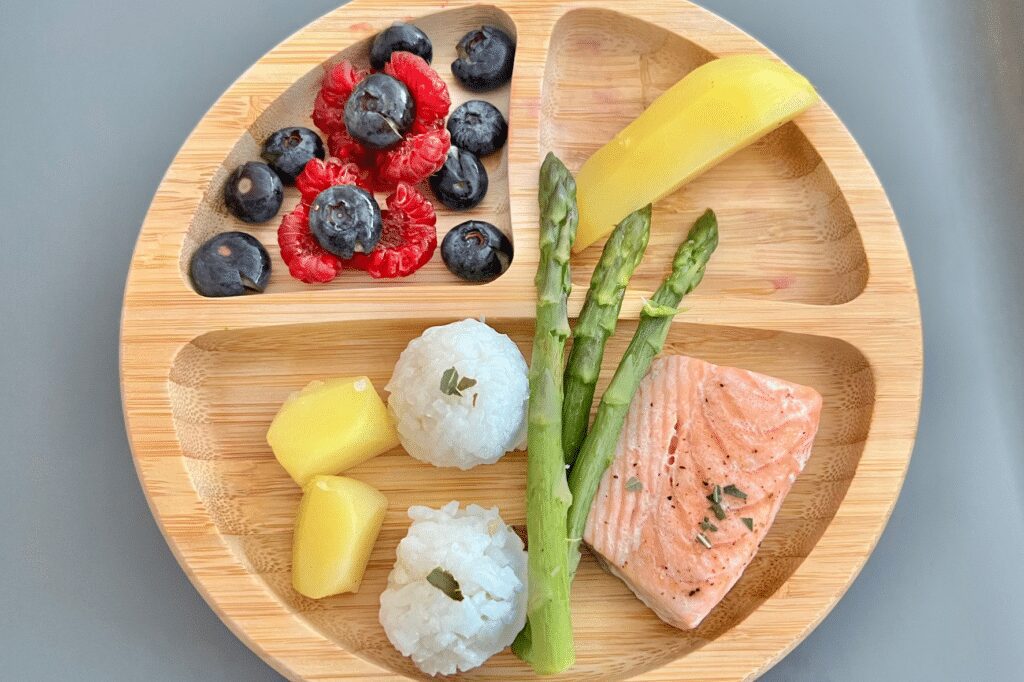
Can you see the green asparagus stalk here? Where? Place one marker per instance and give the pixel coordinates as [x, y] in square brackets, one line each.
[598, 449]
[622, 253]
[546, 641]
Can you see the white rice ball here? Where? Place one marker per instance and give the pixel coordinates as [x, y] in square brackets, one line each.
[487, 560]
[479, 426]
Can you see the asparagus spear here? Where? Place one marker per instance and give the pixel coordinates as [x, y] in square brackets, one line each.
[546, 641]
[599, 446]
[621, 255]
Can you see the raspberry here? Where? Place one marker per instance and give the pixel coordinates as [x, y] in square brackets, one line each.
[319, 175]
[409, 236]
[343, 146]
[417, 156]
[427, 89]
[409, 202]
[329, 108]
[415, 159]
[307, 261]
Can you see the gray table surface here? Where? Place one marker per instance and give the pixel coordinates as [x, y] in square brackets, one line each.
[95, 98]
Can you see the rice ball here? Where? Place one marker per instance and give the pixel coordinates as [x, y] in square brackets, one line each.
[457, 593]
[459, 394]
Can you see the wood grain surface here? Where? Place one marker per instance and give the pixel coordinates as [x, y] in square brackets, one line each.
[811, 283]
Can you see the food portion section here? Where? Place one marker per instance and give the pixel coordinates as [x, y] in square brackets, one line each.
[223, 410]
[791, 236]
[378, 114]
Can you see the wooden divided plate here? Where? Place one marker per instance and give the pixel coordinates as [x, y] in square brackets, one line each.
[811, 283]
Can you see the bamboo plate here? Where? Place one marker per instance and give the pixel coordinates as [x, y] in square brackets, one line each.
[811, 283]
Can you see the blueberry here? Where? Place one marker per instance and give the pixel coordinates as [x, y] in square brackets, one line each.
[253, 192]
[379, 111]
[461, 182]
[345, 219]
[476, 251]
[478, 126]
[289, 150]
[485, 59]
[229, 264]
[399, 37]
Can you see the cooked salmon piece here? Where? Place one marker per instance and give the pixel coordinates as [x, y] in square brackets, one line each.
[693, 426]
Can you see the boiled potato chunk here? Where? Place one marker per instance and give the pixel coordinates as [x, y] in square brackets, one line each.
[338, 521]
[330, 426]
[715, 110]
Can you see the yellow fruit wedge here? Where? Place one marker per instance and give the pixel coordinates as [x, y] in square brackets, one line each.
[714, 111]
[338, 522]
[330, 426]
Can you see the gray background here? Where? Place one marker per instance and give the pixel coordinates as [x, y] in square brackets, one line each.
[96, 97]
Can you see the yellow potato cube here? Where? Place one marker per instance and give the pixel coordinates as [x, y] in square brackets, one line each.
[330, 426]
[338, 521]
[715, 110]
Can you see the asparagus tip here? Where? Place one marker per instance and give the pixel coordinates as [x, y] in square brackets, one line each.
[704, 233]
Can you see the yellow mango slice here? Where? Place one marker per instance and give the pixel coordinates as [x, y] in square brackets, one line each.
[338, 521]
[330, 426]
[714, 111]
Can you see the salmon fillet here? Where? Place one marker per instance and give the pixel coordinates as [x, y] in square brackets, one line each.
[691, 426]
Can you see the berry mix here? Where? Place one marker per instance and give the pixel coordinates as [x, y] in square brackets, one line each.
[385, 132]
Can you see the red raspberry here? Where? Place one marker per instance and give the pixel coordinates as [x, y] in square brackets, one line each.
[427, 89]
[423, 150]
[343, 146]
[307, 261]
[319, 175]
[338, 83]
[408, 240]
[408, 201]
[415, 159]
